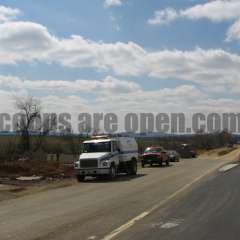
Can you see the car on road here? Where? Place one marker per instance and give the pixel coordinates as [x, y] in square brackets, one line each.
[173, 156]
[187, 151]
[107, 156]
[155, 155]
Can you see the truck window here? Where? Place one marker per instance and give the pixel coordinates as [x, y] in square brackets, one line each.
[97, 147]
[114, 146]
[153, 150]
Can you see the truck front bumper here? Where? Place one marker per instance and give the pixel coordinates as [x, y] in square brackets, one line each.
[92, 172]
[151, 161]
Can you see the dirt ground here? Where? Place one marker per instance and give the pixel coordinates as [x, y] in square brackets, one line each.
[219, 151]
[36, 176]
[57, 177]
[10, 189]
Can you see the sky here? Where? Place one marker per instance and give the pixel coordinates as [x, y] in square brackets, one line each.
[121, 55]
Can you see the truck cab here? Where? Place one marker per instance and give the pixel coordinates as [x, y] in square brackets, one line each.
[107, 156]
[155, 155]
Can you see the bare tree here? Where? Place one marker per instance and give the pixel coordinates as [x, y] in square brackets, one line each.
[29, 111]
[31, 120]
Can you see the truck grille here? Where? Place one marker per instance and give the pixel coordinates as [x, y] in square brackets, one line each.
[150, 157]
[89, 163]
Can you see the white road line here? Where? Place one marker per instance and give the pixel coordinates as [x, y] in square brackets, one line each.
[172, 224]
[227, 167]
[92, 238]
[136, 219]
[126, 226]
[169, 225]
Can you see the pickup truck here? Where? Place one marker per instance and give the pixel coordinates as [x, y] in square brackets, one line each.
[155, 155]
[187, 151]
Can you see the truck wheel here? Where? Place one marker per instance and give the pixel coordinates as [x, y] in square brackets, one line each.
[132, 167]
[112, 172]
[80, 178]
[167, 162]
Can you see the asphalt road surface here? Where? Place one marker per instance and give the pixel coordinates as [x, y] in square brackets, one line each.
[210, 211]
[128, 208]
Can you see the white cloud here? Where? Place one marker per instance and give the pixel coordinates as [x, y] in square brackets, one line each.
[108, 93]
[112, 3]
[27, 41]
[215, 11]
[163, 17]
[71, 104]
[219, 10]
[108, 85]
[176, 99]
[122, 58]
[24, 41]
[204, 71]
[6, 101]
[219, 105]
[7, 13]
[234, 31]
[209, 68]
[185, 98]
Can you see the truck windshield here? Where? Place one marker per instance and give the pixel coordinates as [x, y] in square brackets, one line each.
[97, 147]
[153, 150]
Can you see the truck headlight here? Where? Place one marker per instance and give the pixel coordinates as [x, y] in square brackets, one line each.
[76, 164]
[105, 163]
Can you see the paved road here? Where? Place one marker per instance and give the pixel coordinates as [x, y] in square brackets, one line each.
[211, 211]
[94, 209]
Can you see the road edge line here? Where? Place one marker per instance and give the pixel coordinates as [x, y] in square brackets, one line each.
[228, 167]
[144, 214]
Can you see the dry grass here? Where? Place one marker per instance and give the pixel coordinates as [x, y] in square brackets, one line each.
[226, 151]
[214, 153]
[34, 167]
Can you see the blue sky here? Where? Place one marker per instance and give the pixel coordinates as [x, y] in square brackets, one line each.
[131, 55]
[91, 20]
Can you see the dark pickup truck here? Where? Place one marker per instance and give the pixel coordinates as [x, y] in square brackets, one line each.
[187, 151]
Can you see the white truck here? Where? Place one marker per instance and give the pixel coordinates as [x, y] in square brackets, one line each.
[107, 156]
